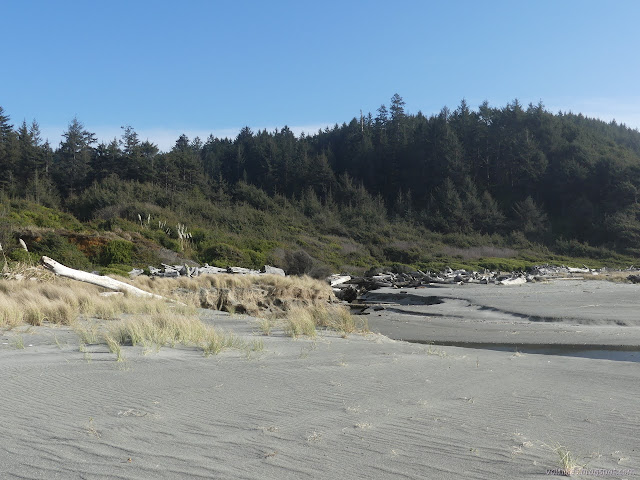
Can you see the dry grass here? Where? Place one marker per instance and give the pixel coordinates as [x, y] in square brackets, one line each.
[215, 342]
[300, 321]
[305, 320]
[26, 271]
[339, 318]
[611, 276]
[114, 347]
[302, 303]
[261, 295]
[32, 295]
[62, 301]
[567, 461]
[154, 332]
[158, 330]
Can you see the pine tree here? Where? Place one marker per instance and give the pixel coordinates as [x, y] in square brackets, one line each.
[8, 153]
[73, 158]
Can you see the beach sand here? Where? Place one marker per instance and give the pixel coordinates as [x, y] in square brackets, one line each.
[364, 406]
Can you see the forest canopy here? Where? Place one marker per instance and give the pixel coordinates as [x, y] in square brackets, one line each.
[523, 172]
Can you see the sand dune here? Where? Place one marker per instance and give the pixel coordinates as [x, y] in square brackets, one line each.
[330, 407]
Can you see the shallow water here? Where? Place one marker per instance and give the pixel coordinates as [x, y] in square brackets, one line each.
[602, 352]
[482, 318]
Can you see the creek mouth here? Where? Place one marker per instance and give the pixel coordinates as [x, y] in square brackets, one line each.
[621, 353]
[451, 321]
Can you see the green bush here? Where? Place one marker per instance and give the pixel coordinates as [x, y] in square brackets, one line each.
[504, 264]
[116, 252]
[20, 255]
[256, 259]
[24, 214]
[400, 255]
[116, 269]
[298, 262]
[58, 248]
[223, 254]
[169, 243]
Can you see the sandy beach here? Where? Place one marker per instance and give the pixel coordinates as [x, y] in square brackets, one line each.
[364, 406]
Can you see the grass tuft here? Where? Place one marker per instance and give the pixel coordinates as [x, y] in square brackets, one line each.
[305, 320]
[300, 321]
[567, 461]
[114, 347]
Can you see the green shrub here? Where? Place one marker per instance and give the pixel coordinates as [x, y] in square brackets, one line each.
[169, 243]
[298, 262]
[504, 264]
[400, 255]
[256, 259]
[20, 255]
[58, 247]
[116, 269]
[116, 252]
[143, 255]
[24, 213]
[224, 254]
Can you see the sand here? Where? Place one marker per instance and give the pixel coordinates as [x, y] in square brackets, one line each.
[365, 406]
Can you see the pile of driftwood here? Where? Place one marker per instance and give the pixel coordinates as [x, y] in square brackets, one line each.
[173, 271]
[349, 288]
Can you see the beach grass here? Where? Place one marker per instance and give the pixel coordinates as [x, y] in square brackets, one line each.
[171, 330]
[305, 320]
[300, 305]
[62, 301]
[567, 462]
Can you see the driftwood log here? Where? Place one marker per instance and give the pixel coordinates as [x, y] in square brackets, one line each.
[100, 281]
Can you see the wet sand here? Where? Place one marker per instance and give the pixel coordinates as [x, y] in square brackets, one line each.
[574, 313]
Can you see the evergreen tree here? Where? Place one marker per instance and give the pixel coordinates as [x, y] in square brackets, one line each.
[73, 158]
[8, 154]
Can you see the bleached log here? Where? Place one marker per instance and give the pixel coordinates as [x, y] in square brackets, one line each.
[110, 294]
[513, 281]
[579, 270]
[269, 270]
[100, 281]
[338, 279]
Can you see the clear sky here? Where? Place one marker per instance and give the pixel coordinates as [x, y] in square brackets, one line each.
[201, 67]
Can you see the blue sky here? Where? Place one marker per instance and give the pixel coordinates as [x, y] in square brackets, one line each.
[201, 67]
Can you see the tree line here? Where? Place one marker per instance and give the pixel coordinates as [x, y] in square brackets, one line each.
[490, 170]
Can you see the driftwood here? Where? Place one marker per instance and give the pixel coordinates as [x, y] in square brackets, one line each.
[349, 289]
[512, 281]
[174, 271]
[100, 281]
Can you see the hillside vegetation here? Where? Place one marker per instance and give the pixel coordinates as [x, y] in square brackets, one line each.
[493, 188]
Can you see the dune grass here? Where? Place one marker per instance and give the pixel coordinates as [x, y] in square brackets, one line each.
[568, 463]
[62, 301]
[301, 304]
[305, 320]
[256, 295]
[168, 329]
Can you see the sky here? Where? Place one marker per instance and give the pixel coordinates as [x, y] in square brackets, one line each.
[212, 67]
